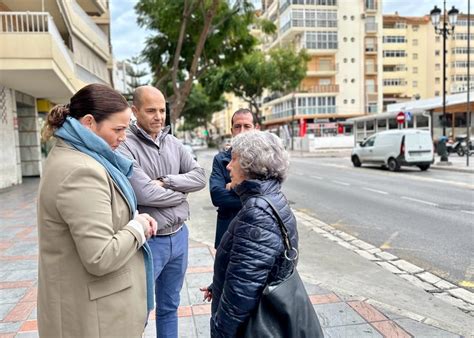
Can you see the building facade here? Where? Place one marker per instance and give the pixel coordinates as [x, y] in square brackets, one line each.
[49, 50]
[343, 40]
[413, 59]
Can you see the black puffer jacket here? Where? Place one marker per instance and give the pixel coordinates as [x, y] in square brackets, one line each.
[251, 254]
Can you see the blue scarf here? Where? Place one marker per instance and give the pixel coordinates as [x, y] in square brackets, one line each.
[119, 168]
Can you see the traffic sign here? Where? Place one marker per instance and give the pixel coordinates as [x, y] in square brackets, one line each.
[401, 117]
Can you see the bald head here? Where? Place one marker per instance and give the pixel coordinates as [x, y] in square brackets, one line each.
[142, 91]
[149, 107]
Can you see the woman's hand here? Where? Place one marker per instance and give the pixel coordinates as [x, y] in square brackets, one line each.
[148, 223]
[207, 293]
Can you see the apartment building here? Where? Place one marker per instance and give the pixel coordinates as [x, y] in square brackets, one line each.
[343, 40]
[49, 50]
[413, 59]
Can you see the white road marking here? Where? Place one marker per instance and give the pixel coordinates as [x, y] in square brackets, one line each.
[341, 183]
[316, 177]
[468, 212]
[420, 201]
[376, 191]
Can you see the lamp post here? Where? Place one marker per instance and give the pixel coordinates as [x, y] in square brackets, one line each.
[447, 28]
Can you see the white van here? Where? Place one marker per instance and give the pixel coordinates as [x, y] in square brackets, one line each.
[395, 148]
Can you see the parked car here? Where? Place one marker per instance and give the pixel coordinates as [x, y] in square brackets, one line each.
[190, 149]
[396, 148]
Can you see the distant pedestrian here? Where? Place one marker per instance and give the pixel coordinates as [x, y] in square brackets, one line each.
[251, 254]
[164, 173]
[222, 195]
[93, 257]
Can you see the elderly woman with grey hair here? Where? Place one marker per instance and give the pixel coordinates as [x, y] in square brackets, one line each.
[251, 254]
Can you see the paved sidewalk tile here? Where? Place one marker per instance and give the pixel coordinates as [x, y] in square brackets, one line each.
[340, 315]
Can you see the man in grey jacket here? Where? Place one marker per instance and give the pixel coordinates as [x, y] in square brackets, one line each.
[164, 173]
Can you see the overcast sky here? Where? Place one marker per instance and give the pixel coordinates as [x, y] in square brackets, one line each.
[128, 39]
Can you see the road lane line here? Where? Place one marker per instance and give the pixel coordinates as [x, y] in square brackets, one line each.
[377, 191]
[468, 212]
[316, 177]
[420, 201]
[341, 183]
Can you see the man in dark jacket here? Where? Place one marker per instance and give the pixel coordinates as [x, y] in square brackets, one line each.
[223, 197]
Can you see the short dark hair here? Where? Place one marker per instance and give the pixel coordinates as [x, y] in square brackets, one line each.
[96, 99]
[244, 111]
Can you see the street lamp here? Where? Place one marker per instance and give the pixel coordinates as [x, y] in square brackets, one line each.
[446, 29]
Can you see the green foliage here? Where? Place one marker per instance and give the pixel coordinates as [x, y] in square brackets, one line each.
[227, 42]
[281, 71]
[135, 74]
[199, 108]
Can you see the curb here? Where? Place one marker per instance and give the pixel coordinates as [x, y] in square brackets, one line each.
[451, 168]
[446, 291]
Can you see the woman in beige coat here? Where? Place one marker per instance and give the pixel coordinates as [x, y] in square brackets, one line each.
[93, 257]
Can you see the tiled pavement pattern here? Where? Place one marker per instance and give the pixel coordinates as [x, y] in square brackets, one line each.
[340, 316]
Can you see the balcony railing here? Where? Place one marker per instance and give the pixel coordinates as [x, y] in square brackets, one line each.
[332, 88]
[370, 27]
[34, 22]
[370, 68]
[23, 22]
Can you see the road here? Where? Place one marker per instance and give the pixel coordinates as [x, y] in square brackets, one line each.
[422, 217]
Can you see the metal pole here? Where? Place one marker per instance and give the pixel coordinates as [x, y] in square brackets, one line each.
[293, 112]
[468, 112]
[444, 32]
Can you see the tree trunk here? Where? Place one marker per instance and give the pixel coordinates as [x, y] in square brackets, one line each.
[182, 92]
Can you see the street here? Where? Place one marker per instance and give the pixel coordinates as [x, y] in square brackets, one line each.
[422, 217]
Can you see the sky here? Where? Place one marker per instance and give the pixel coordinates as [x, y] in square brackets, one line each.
[128, 39]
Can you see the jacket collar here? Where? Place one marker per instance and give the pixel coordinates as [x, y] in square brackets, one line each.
[249, 188]
[139, 132]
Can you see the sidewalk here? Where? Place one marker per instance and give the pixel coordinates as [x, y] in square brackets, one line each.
[340, 315]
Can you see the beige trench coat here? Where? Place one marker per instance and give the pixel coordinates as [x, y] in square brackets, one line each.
[91, 273]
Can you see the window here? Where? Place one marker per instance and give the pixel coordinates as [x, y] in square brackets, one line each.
[297, 18]
[415, 56]
[344, 39]
[345, 101]
[370, 45]
[415, 84]
[394, 39]
[393, 82]
[415, 42]
[437, 80]
[437, 38]
[437, 52]
[353, 60]
[310, 18]
[415, 28]
[415, 70]
[353, 39]
[353, 101]
[436, 93]
[437, 66]
[394, 53]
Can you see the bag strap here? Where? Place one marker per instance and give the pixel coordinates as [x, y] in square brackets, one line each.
[284, 231]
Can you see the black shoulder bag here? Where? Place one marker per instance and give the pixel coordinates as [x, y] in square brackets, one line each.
[285, 309]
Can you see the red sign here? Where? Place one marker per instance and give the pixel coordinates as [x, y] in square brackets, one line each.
[401, 117]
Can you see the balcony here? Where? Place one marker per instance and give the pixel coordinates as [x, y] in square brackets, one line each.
[371, 27]
[321, 89]
[34, 59]
[371, 5]
[93, 7]
[370, 69]
[322, 70]
[371, 48]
